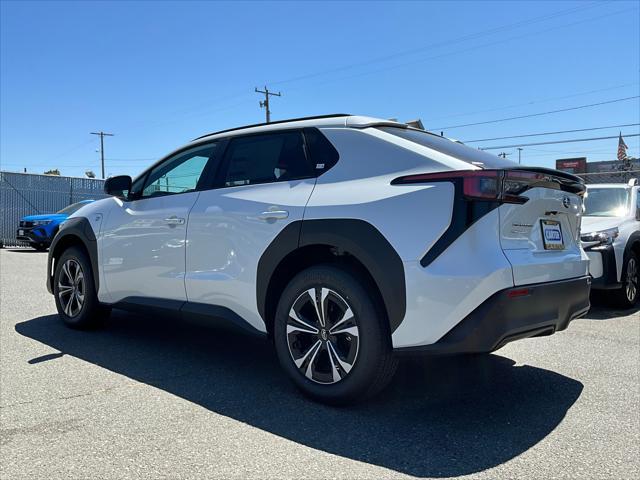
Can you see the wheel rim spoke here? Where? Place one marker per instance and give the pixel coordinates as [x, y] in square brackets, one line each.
[309, 371]
[344, 365]
[309, 328]
[64, 289]
[350, 330]
[314, 299]
[334, 370]
[348, 315]
[301, 360]
[632, 280]
[67, 273]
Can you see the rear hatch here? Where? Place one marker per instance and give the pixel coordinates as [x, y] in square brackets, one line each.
[539, 209]
[540, 234]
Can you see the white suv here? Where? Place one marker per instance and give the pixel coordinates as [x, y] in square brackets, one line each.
[611, 238]
[346, 240]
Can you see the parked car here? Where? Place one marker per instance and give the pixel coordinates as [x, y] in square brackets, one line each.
[611, 238]
[346, 240]
[39, 230]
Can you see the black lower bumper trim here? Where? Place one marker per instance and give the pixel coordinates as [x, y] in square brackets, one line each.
[609, 278]
[512, 314]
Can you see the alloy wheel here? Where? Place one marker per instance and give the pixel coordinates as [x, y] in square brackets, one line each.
[323, 335]
[631, 286]
[71, 288]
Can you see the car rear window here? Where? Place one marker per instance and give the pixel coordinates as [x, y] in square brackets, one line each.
[462, 152]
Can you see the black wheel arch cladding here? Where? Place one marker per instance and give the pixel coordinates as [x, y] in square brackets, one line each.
[357, 238]
[75, 230]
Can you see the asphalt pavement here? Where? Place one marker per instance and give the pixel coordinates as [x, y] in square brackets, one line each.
[152, 398]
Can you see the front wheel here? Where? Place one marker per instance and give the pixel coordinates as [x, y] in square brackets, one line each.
[627, 295]
[331, 336]
[75, 292]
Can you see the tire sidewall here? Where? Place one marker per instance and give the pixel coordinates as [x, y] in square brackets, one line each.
[371, 347]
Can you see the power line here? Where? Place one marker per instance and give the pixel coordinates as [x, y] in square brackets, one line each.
[557, 141]
[392, 56]
[265, 104]
[552, 133]
[490, 44]
[102, 135]
[450, 127]
[533, 102]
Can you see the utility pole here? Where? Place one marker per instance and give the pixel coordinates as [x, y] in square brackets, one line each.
[519, 155]
[102, 135]
[265, 104]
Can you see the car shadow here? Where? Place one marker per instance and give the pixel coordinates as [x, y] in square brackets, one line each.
[601, 311]
[439, 417]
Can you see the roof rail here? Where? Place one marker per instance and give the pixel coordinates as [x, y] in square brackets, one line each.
[332, 115]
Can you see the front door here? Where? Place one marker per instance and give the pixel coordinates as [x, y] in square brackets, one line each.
[143, 245]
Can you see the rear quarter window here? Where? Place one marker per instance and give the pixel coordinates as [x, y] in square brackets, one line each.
[459, 151]
[322, 154]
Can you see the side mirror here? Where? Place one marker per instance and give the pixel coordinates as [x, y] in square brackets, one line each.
[118, 186]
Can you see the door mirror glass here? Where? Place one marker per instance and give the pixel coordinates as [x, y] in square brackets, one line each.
[118, 186]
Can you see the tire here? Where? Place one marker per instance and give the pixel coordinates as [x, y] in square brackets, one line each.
[337, 366]
[75, 293]
[627, 296]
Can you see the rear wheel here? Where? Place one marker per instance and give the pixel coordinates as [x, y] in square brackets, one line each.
[331, 337]
[627, 295]
[75, 292]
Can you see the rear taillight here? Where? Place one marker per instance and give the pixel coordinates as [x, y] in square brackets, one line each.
[487, 185]
[516, 182]
[503, 186]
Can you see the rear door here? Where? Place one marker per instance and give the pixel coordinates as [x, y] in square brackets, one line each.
[143, 246]
[263, 186]
[541, 236]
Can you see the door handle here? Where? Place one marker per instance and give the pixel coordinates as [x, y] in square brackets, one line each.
[273, 215]
[173, 220]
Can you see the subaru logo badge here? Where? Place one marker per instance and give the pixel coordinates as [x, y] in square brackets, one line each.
[566, 201]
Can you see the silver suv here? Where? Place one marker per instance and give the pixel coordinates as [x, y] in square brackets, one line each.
[611, 238]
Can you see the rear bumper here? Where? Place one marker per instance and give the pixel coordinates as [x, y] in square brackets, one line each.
[511, 314]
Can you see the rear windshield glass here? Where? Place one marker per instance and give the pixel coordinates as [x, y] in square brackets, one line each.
[73, 208]
[606, 202]
[449, 147]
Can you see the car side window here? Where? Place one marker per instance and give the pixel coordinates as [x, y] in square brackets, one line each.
[322, 154]
[179, 174]
[275, 157]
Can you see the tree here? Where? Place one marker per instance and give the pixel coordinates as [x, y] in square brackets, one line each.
[53, 171]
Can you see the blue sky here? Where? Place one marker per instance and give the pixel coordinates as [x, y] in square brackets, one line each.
[158, 74]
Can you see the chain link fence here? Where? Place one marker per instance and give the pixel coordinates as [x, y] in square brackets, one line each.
[619, 176]
[31, 194]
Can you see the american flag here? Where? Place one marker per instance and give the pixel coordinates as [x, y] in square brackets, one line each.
[622, 148]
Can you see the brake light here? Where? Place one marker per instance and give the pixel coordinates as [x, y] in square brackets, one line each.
[487, 185]
[519, 292]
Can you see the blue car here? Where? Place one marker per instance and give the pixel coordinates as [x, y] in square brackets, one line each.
[39, 230]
